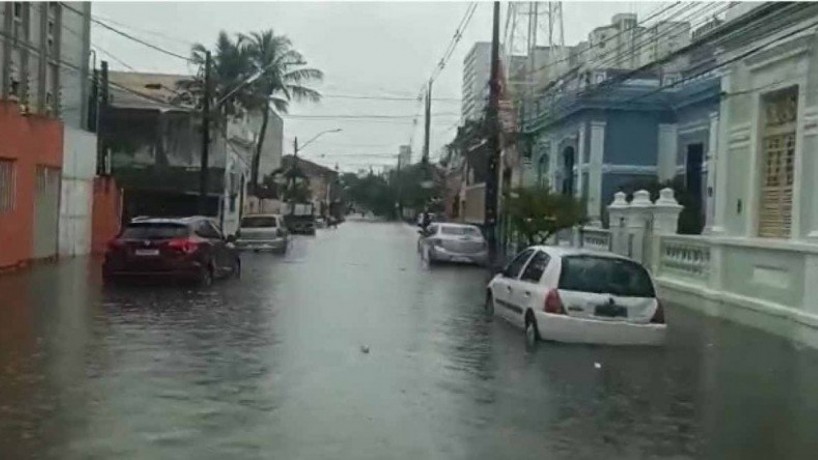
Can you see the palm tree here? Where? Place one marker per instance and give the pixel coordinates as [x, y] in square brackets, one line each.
[230, 67]
[283, 75]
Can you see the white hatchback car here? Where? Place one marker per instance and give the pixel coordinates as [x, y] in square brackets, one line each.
[574, 295]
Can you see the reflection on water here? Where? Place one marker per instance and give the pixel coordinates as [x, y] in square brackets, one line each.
[271, 365]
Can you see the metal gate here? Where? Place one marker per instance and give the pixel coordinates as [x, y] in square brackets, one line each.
[46, 212]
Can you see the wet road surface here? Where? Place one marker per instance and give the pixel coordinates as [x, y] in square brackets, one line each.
[273, 366]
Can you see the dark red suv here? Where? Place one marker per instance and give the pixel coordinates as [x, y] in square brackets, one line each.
[190, 248]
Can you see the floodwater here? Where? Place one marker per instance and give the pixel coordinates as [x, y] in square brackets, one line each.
[348, 348]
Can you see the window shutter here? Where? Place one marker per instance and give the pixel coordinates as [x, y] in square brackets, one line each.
[775, 207]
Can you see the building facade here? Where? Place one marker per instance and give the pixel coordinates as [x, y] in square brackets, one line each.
[476, 74]
[44, 58]
[47, 156]
[758, 264]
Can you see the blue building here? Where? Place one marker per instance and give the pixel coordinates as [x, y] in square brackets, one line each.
[594, 140]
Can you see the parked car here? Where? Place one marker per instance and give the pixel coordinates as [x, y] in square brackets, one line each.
[574, 295]
[444, 242]
[263, 232]
[190, 248]
[320, 223]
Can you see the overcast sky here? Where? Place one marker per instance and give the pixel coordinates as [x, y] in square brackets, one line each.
[377, 49]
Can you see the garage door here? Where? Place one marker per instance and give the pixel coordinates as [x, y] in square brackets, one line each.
[46, 211]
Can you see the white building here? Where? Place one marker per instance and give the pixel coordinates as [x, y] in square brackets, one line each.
[44, 57]
[404, 156]
[759, 263]
[476, 75]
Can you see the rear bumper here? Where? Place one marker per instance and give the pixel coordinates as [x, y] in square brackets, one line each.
[442, 255]
[563, 328]
[189, 270]
[273, 244]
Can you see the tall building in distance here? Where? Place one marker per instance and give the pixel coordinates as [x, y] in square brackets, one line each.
[476, 74]
[404, 156]
[44, 50]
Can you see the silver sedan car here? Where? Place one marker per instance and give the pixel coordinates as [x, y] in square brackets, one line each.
[458, 243]
[263, 232]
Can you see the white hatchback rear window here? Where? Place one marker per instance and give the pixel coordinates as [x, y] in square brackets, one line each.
[605, 275]
[258, 222]
[463, 231]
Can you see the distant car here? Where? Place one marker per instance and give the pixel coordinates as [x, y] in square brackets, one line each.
[301, 225]
[320, 223]
[263, 232]
[573, 295]
[190, 248]
[447, 242]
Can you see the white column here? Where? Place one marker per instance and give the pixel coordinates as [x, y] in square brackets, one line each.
[668, 150]
[616, 223]
[637, 218]
[595, 172]
[666, 212]
[712, 171]
[720, 192]
[580, 155]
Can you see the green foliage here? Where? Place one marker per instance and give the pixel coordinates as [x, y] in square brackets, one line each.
[537, 213]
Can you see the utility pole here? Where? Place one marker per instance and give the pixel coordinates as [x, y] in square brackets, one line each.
[493, 125]
[203, 173]
[291, 173]
[101, 114]
[427, 123]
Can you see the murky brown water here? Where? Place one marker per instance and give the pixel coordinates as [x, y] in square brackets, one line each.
[271, 366]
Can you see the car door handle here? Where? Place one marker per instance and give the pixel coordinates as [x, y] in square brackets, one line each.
[528, 293]
[508, 288]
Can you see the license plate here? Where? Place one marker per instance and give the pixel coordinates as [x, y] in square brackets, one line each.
[462, 259]
[611, 311]
[146, 252]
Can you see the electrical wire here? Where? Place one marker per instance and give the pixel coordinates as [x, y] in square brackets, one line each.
[128, 36]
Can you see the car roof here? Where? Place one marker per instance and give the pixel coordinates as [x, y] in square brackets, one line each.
[561, 251]
[454, 224]
[169, 220]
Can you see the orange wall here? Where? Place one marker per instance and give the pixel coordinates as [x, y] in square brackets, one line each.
[106, 213]
[28, 141]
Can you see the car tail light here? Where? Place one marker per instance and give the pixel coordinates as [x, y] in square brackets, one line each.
[553, 303]
[183, 245]
[659, 316]
[115, 244]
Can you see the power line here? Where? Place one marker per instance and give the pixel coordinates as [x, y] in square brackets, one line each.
[389, 98]
[568, 58]
[727, 62]
[352, 115]
[128, 36]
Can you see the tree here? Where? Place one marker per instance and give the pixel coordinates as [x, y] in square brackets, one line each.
[282, 80]
[537, 213]
[230, 66]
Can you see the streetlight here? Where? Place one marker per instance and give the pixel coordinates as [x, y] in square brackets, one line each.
[295, 141]
[291, 171]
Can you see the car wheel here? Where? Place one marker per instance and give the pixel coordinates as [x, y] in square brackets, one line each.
[237, 269]
[206, 276]
[488, 306]
[532, 335]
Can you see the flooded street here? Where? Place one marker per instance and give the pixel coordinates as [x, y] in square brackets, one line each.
[348, 348]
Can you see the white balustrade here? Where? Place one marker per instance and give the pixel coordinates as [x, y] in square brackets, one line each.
[598, 239]
[685, 256]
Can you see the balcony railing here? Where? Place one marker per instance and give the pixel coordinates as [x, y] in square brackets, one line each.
[684, 256]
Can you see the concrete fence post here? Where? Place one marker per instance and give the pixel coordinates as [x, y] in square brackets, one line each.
[666, 212]
[617, 211]
[638, 222]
